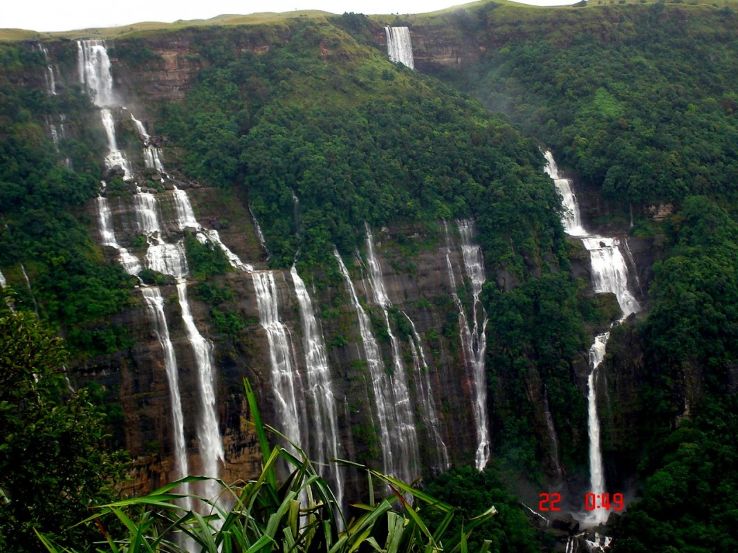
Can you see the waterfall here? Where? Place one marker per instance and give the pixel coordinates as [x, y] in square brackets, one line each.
[378, 377]
[151, 154]
[107, 238]
[3, 282]
[477, 339]
[319, 389]
[93, 64]
[572, 219]
[399, 46]
[404, 417]
[211, 444]
[425, 395]
[609, 275]
[259, 234]
[155, 305]
[609, 271]
[285, 378]
[49, 79]
[170, 259]
[186, 219]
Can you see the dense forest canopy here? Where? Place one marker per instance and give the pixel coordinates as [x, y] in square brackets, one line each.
[321, 135]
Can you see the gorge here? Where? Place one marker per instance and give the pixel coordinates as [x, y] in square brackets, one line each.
[319, 205]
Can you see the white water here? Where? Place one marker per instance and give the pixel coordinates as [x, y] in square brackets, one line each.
[155, 305]
[49, 78]
[572, 219]
[151, 154]
[107, 237]
[186, 219]
[373, 356]
[609, 275]
[474, 267]
[399, 46]
[424, 391]
[286, 382]
[259, 234]
[170, 259]
[319, 390]
[3, 282]
[93, 64]
[404, 424]
[208, 431]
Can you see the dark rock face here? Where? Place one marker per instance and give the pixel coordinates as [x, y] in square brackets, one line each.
[416, 277]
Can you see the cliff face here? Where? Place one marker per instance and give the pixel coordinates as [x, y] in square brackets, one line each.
[162, 68]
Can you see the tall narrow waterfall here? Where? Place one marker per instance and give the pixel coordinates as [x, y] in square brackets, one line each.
[211, 443]
[399, 46]
[155, 306]
[474, 339]
[403, 407]
[3, 282]
[49, 78]
[425, 397]
[319, 390]
[94, 73]
[170, 259]
[379, 380]
[609, 274]
[286, 382]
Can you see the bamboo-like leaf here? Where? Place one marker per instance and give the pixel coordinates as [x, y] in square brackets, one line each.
[395, 527]
[266, 452]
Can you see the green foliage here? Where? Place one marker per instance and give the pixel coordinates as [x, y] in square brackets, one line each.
[204, 260]
[52, 466]
[39, 200]
[354, 145]
[300, 514]
[536, 327]
[149, 276]
[639, 100]
[469, 491]
[688, 501]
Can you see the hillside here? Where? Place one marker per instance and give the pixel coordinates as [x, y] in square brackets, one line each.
[381, 254]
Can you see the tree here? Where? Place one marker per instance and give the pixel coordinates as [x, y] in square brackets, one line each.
[52, 465]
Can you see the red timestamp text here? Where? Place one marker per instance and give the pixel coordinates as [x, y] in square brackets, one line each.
[549, 501]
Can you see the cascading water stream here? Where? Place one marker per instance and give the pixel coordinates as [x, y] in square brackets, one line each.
[186, 219]
[399, 46]
[319, 390]
[609, 275]
[474, 339]
[286, 382]
[94, 73]
[403, 408]
[107, 238]
[378, 377]
[155, 305]
[425, 395]
[170, 259]
[151, 154]
[208, 431]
